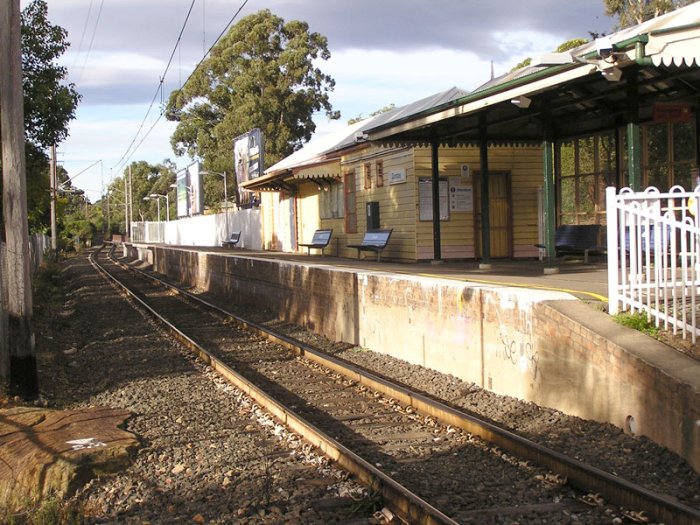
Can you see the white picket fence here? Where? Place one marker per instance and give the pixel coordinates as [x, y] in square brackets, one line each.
[203, 230]
[654, 256]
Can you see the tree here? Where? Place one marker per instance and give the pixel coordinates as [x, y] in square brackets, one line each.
[145, 179]
[360, 117]
[49, 104]
[260, 74]
[564, 46]
[632, 12]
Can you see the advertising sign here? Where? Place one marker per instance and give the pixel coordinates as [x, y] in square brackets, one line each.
[196, 189]
[248, 156]
[181, 193]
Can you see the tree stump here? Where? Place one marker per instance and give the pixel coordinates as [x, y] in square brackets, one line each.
[52, 452]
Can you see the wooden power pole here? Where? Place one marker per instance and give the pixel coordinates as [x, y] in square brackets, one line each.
[22, 374]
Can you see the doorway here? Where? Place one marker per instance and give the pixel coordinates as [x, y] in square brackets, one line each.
[500, 214]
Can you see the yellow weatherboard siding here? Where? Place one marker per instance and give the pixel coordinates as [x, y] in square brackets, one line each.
[516, 173]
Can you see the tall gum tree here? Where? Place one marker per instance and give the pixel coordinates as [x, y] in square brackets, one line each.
[261, 74]
[632, 12]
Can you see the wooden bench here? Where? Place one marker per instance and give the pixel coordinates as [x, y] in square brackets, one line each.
[373, 241]
[232, 241]
[576, 239]
[319, 241]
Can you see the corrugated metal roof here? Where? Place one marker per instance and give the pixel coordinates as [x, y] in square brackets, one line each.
[317, 150]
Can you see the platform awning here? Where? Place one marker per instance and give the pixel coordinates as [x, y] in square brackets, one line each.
[675, 49]
[328, 170]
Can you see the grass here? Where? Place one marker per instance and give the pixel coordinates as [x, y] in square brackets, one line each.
[637, 321]
[49, 511]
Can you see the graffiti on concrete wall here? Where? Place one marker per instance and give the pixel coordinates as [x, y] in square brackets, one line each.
[515, 338]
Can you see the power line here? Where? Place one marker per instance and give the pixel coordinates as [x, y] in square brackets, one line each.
[126, 158]
[92, 39]
[82, 36]
[216, 41]
[155, 95]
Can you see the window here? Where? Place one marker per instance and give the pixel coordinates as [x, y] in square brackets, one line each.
[331, 203]
[380, 173]
[586, 166]
[670, 151]
[368, 175]
[668, 155]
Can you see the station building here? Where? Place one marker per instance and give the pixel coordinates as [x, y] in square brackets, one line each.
[492, 173]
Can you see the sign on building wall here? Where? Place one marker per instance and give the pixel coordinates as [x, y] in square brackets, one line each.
[397, 176]
[425, 196]
[461, 195]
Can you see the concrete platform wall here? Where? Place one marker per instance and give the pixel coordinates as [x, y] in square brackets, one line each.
[524, 343]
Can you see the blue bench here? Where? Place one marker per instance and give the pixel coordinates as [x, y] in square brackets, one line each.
[232, 240]
[649, 240]
[373, 241]
[576, 239]
[319, 241]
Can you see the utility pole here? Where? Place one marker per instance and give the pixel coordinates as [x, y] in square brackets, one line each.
[53, 189]
[126, 209]
[22, 359]
[131, 201]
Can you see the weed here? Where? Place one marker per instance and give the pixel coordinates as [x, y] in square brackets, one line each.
[49, 511]
[637, 321]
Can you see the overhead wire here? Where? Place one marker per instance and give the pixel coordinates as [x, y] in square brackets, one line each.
[92, 40]
[129, 150]
[82, 36]
[159, 90]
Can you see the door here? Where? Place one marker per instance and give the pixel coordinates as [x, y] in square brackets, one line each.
[500, 215]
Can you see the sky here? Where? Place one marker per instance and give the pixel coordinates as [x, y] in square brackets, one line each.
[382, 52]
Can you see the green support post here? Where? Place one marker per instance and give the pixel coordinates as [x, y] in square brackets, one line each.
[634, 143]
[484, 184]
[437, 252]
[550, 209]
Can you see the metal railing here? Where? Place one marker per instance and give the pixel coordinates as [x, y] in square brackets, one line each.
[653, 256]
[148, 232]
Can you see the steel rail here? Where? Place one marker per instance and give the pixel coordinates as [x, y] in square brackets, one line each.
[404, 503]
[580, 475]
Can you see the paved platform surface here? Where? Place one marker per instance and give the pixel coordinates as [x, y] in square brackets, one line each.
[586, 281]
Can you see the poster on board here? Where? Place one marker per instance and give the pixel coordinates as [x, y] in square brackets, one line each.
[181, 193]
[425, 197]
[461, 195]
[248, 158]
[196, 200]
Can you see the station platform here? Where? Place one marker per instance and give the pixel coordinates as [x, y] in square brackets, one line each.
[586, 281]
[512, 328]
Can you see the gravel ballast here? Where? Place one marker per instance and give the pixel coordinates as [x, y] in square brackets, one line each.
[210, 456]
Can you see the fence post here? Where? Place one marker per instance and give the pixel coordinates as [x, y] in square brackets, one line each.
[613, 249]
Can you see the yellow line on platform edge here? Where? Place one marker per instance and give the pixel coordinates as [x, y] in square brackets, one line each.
[595, 296]
[520, 285]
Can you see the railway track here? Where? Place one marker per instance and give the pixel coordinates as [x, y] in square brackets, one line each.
[420, 456]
